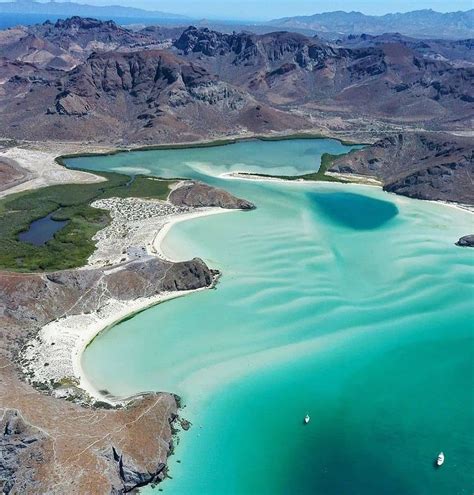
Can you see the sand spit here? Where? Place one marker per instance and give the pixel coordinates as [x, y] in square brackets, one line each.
[355, 179]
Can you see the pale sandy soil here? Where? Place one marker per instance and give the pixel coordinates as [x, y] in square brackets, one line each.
[359, 179]
[39, 162]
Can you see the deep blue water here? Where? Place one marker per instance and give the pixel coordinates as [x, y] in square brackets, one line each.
[42, 230]
[353, 210]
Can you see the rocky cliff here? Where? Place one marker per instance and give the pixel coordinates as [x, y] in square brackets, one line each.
[432, 166]
[139, 96]
[390, 79]
[50, 445]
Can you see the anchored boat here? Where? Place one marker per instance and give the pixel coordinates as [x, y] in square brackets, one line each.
[306, 419]
[440, 459]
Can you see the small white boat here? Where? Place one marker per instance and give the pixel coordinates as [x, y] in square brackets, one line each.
[440, 459]
[306, 419]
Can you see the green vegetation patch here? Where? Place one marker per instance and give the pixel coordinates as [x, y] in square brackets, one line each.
[72, 245]
[320, 175]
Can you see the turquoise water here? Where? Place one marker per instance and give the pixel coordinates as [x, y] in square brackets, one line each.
[340, 301]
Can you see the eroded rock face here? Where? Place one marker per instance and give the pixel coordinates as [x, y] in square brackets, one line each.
[466, 241]
[433, 166]
[36, 299]
[20, 449]
[48, 445]
[56, 447]
[198, 194]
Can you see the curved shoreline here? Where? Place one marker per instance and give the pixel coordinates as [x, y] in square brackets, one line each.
[156, 248]
[137, 307]
[129, 311]
[99, 323]
[71, 334]
[117, 311]
[161, 234]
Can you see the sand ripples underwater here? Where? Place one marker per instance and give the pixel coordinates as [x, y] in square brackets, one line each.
[338, 300]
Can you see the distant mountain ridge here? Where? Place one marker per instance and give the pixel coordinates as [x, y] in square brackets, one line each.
[84, 10]
[84, 79]
[418, 23]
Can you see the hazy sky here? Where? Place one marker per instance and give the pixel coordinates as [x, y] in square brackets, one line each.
[269, 9]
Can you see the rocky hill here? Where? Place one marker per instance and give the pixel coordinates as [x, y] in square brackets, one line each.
[389, 80]
[135, 97]
[82, 79]
[67, 43]
[458, 53]
[432, 166]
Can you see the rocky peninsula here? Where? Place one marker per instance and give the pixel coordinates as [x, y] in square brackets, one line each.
[430, 166]
[91, 442]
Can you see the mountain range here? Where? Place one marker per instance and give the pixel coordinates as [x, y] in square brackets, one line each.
[84, 79]
[419, 23]
[329, 25]
[72, 8]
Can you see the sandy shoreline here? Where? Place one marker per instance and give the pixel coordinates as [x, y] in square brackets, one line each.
[131, 308]
[353, 179]
[161, 234]
[143, 237]
[71, 334]
[119, 311]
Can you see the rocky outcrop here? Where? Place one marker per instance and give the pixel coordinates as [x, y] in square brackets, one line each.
[466, 241]
[431, 166]
[141, 96]
[252, 49]
[68, 42]
[95, 450]
[198, 194]
[285, 69]
[36, 299]
[20, 450]
[57, 447]
[90, 80]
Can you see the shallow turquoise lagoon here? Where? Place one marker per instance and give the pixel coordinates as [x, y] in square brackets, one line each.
[340, 301]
